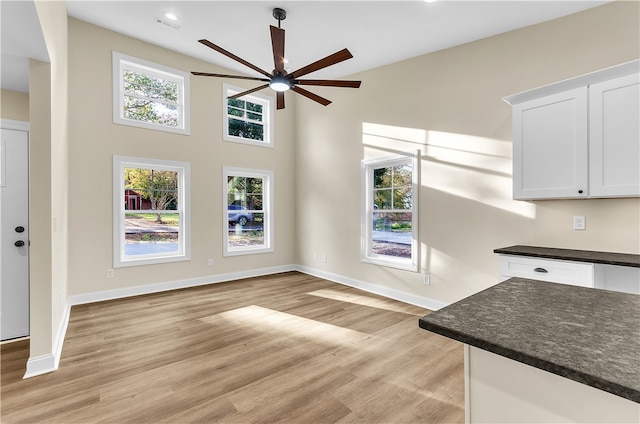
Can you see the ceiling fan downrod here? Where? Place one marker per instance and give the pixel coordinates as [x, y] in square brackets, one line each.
[279, 14]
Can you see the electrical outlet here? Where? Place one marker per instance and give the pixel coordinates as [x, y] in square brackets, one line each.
[324, 258]
[579, 223]
[209, 262]
[110, 273]
[315, 256]
[427, 279]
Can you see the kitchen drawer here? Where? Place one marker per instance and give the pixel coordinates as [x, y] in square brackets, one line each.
[566, 272]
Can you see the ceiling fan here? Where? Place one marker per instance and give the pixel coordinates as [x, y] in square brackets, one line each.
[279, 80]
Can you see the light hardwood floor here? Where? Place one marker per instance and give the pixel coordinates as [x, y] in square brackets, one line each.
[283, 348]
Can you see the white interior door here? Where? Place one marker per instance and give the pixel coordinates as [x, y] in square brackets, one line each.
[14, 234]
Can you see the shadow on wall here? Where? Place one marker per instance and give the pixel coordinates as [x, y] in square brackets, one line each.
[466, 188]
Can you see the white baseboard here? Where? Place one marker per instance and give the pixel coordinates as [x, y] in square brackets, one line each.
[58, 342]
[423, 302]
[101, 296]
[48, 363]
[40, 365]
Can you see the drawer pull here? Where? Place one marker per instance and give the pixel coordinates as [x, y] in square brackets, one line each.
[541, 270]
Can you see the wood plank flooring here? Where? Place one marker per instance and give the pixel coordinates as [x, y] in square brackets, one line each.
[287, 348]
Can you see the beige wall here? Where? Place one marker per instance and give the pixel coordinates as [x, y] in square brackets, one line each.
[448, 104]
[94, 139]
[48, 181]
[40, 287]
[14, 105]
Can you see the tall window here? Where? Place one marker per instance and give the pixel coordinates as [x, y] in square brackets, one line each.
[248, 119]
[150, 211]
[149, 95]
[389, 216]
[248, 211]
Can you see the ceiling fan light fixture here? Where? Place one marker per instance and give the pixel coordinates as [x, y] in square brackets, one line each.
[280, 79]
[279, 84]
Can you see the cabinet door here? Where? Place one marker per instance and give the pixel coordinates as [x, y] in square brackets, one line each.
[550, 146]
[614, 137]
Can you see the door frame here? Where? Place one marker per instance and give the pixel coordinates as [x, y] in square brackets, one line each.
[14, 125]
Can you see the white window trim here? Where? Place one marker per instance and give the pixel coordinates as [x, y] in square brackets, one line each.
[268, 114]
[120, 62]
[184, 226]
[267, 203]
[367, 254]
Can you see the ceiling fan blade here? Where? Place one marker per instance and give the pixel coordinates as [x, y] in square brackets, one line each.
[311, 96]
[337, 57]
[329, 83]
[244, 93]
[280, 100]
[277, 43]
[234, 57]
[207, 74]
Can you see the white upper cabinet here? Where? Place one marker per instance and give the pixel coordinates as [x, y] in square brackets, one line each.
[579, 138]
[550, 146]
[614, 131]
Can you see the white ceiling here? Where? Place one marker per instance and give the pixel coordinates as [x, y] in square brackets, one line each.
[376, 32]
[20, 39]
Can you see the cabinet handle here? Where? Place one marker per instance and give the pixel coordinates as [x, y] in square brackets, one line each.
[542, 270]
[579, 191]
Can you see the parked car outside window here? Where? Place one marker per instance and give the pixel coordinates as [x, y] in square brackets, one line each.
[238, 214]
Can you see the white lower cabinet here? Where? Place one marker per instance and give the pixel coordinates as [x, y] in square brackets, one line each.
[617, 278]
[501, 390]
[566, 272]
[601, 276]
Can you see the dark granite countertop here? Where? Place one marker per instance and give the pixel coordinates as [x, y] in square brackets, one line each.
[587, 335]
[610, 258]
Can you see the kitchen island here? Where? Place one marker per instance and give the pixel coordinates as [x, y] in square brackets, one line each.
[537, 351]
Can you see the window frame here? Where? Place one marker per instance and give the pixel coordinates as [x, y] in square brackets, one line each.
[366, 249]
[267, 208]
[268, 116]
[122, 62]
[120, 259]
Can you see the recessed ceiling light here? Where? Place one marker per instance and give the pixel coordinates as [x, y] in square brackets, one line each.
[430, 1]
[167, 23]
[171, 16]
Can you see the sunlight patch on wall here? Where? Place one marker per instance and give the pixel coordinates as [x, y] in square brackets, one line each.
[471, 151]
[385, 139]
[475, 168]
[467, 166]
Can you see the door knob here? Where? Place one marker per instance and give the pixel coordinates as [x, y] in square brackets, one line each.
[19, 243]
[20, 229]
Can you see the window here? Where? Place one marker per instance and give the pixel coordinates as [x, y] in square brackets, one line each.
[149, 95]
[248, 119]
[247, 211]
[390, 212]
[150, 211]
